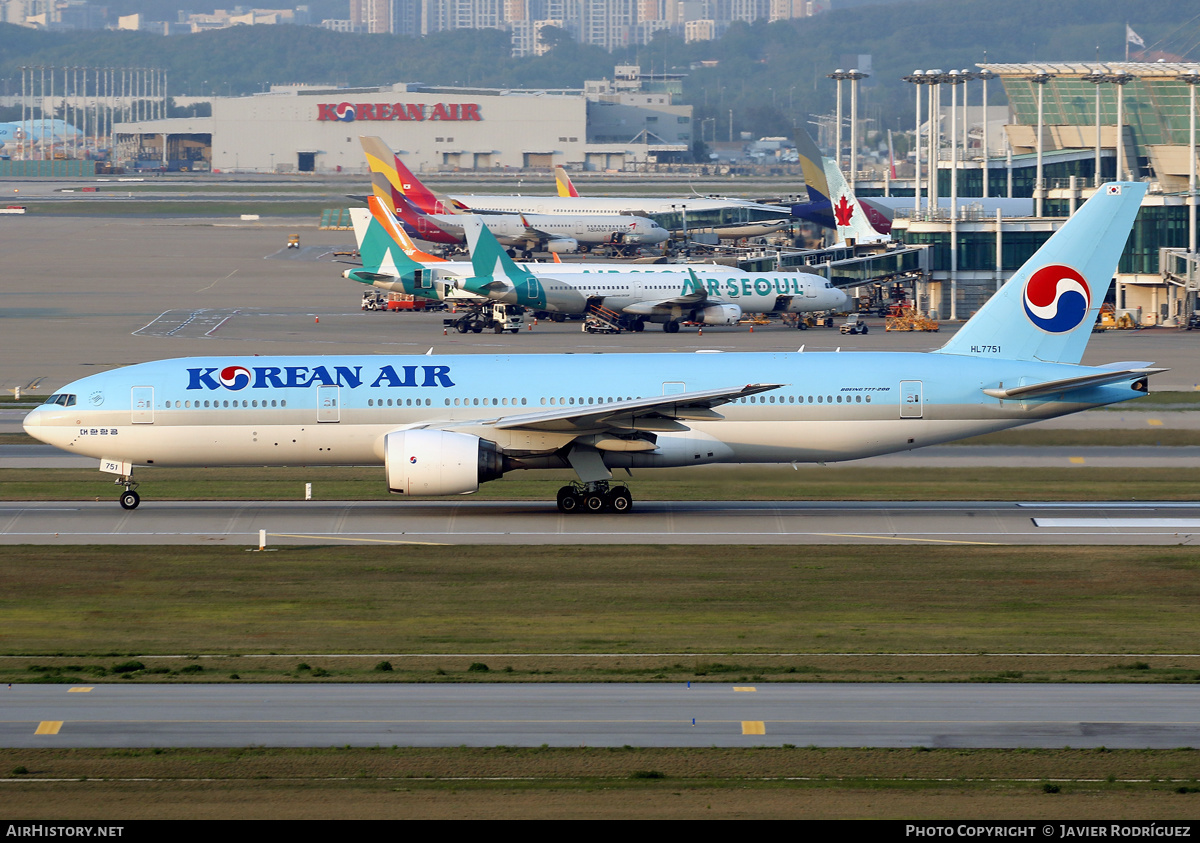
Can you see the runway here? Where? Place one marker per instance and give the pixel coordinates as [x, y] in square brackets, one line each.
[652, 522]
[643, 715]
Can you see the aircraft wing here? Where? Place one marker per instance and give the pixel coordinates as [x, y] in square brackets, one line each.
[645, 308]
[693, 293]
[627, 414]
[657, 413]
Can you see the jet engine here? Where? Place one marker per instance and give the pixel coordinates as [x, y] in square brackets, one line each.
[721, 314]
[562, 245]
[439, 462]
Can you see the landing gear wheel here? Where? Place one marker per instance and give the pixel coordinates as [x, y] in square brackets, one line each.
[130, 499]
[671, 327]
[639, 325]
[568, 501]
[594, 502]
[620, 501]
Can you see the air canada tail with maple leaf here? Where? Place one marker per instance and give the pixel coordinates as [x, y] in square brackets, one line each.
[830, 201]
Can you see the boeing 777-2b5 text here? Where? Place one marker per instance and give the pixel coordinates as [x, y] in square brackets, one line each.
[441, 425]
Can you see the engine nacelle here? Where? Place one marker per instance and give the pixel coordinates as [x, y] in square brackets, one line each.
[563, 245]
[439, 462]
[721, 314]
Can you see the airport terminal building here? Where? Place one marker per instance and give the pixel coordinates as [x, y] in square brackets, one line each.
[316, 129]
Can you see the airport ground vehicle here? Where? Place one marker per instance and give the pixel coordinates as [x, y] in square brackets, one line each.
[394, 302]
[854, 324]
[490, 316]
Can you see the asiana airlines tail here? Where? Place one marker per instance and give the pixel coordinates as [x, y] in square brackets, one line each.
[442, 425]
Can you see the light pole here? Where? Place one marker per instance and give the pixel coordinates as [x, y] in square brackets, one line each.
[838, 75]
[1097, 78]
[1120, 80]
[984, 76]
[917, 78]
[933, 78]
[1192, 78]
[855, 76]
[954, 78]
[1039, 187]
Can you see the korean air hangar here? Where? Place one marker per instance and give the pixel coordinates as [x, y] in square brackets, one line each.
[293, 129]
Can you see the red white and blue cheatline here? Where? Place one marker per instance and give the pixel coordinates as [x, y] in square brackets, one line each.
[235, 377]
[1056, 299]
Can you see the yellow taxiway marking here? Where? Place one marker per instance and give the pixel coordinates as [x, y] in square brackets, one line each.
[78, 690]
[753, 727]
[1154, 422]
[1076, 460]
[748, 688]
[352, 539]
[49, 727]
[901, 538]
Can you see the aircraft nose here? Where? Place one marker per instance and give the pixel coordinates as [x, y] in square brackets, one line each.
[34, 420]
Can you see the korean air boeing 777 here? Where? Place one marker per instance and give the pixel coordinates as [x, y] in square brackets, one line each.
[441, 425]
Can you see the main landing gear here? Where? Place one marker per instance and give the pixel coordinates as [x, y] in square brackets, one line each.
[594, 497]
[129, 498]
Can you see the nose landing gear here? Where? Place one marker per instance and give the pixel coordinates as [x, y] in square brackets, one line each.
[129, 498]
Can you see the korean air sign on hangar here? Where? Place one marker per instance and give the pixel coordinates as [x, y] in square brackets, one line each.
[348, 112]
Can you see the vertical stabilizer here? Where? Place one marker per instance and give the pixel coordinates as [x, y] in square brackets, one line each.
[819, 209]
[830, 202]
[850, 216]
[1047, 309]
[565, 188]
[383, 161]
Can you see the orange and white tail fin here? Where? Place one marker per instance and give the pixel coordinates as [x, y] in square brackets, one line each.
[398, 235]
[565, 188]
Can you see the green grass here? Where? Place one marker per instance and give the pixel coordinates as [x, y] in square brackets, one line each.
[102, 605]
[1162, 437]
[621, 782]
[1081, 483]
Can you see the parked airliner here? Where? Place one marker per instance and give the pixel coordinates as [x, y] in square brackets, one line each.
[646, 293]
[443, 424]
[685, 215]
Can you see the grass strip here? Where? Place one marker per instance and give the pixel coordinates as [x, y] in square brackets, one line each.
[95, 606]
[718, 483]
[547, 783]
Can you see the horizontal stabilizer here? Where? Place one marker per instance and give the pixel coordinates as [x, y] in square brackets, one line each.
[1037, 390]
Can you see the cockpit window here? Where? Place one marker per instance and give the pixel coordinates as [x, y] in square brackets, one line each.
[62, 398]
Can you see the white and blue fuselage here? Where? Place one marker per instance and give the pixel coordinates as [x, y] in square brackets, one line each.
[337, 410]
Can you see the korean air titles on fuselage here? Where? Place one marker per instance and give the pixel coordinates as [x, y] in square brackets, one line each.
[236, 378]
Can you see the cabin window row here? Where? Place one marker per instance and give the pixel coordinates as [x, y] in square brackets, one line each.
[207, 405]
[400, 402]
[801, 399]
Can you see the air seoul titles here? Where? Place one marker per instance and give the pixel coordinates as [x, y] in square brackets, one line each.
[348, 112]
[1056, 299]
[236, 378]
[749, 286]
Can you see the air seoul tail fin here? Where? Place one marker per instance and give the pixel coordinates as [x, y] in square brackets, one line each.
[565, 188]
[1047, 309]
[381, 160]
[489, 260]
